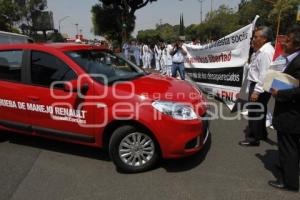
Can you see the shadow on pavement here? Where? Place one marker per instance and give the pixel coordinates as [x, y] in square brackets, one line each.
[176, 165]
[55, 146]
[3, 137]
[188, 163]
[270, 142]
[270, 159]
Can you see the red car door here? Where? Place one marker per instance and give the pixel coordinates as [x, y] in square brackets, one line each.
[55, 112]
[13, 113]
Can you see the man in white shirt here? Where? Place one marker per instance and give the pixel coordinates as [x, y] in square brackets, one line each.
[178, 53]
[259, 64]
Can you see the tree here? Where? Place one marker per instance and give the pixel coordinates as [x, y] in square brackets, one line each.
[56, 37]
[269, 11]
[10, 13]
[116, 19]
[219, 23]
[181, 26]
[20, 14]
[30, 10]
[164, 32]
[287, 10]
[225, 20]
[249, 9]
[149, 36]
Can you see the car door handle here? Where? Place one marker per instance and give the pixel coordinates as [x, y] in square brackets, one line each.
[34, 98]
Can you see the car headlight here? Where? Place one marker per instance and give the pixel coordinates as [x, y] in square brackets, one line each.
[176, 110]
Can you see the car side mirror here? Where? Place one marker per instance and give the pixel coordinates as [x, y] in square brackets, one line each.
[84, 88]
[73, 86]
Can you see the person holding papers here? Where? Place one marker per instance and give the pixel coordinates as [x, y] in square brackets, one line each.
[259, 64]
[286, 117]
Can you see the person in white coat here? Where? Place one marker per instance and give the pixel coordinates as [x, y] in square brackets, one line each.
[126, 48]
[167, 57]
[146, 56]
[157, 54]
[136, 52]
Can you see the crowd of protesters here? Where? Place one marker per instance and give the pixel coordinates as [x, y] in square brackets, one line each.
[150, 56]
[158, 56]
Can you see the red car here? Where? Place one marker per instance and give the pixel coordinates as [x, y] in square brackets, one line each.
[88, 95]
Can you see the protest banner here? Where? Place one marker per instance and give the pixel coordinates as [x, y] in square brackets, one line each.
[218, 67]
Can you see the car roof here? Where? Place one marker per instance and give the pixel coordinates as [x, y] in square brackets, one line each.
[58, 46]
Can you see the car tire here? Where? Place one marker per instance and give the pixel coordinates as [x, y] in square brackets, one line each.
[133, 150]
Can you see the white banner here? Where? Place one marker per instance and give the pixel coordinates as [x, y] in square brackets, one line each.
[218, 67]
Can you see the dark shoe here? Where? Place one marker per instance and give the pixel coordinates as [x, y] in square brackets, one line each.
[278, 167]
[247, 143]
[277, 184]
[280, 185]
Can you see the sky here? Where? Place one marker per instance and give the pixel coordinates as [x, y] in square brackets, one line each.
[161, 11]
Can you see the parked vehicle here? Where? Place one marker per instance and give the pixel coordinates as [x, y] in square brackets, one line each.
[87, 95]
[13, 38]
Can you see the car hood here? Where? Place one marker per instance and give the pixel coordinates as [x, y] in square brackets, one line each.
[158, 87]
[155, 87]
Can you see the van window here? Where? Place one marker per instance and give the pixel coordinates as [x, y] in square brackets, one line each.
[11, 65]
[12, 40]
[46, 69]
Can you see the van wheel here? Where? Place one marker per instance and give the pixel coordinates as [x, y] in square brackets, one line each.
[133, 150]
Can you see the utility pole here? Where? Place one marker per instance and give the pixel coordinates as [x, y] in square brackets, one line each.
[77, 33]
[59, 22]
[201, 1]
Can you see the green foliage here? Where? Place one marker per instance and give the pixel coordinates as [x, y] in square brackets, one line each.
[149, 36]
[56, 37]
[116, 19]
[15, 13]
[249, 9]
[162, 32]
[287, 10]
[217, 24]
[269, 13]
[108, 21]
[9, 15]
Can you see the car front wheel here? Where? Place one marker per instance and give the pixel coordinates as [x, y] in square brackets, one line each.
[133, 150]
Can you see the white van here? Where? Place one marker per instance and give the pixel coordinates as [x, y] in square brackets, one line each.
[13, 38]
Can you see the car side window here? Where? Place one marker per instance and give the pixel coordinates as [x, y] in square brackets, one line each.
[11, 65]
[46, 69]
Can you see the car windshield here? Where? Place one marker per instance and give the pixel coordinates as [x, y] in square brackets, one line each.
[104, 66]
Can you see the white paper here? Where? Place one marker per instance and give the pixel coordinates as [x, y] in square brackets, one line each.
[272, 74]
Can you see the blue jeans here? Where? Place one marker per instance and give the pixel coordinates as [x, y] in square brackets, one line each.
[178, 67]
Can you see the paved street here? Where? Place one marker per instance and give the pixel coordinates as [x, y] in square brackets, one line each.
[38, 169]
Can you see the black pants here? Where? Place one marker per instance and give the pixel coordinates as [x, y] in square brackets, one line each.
[257, 127]
[289, 146]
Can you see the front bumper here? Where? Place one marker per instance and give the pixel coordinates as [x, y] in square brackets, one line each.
[182, 138]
